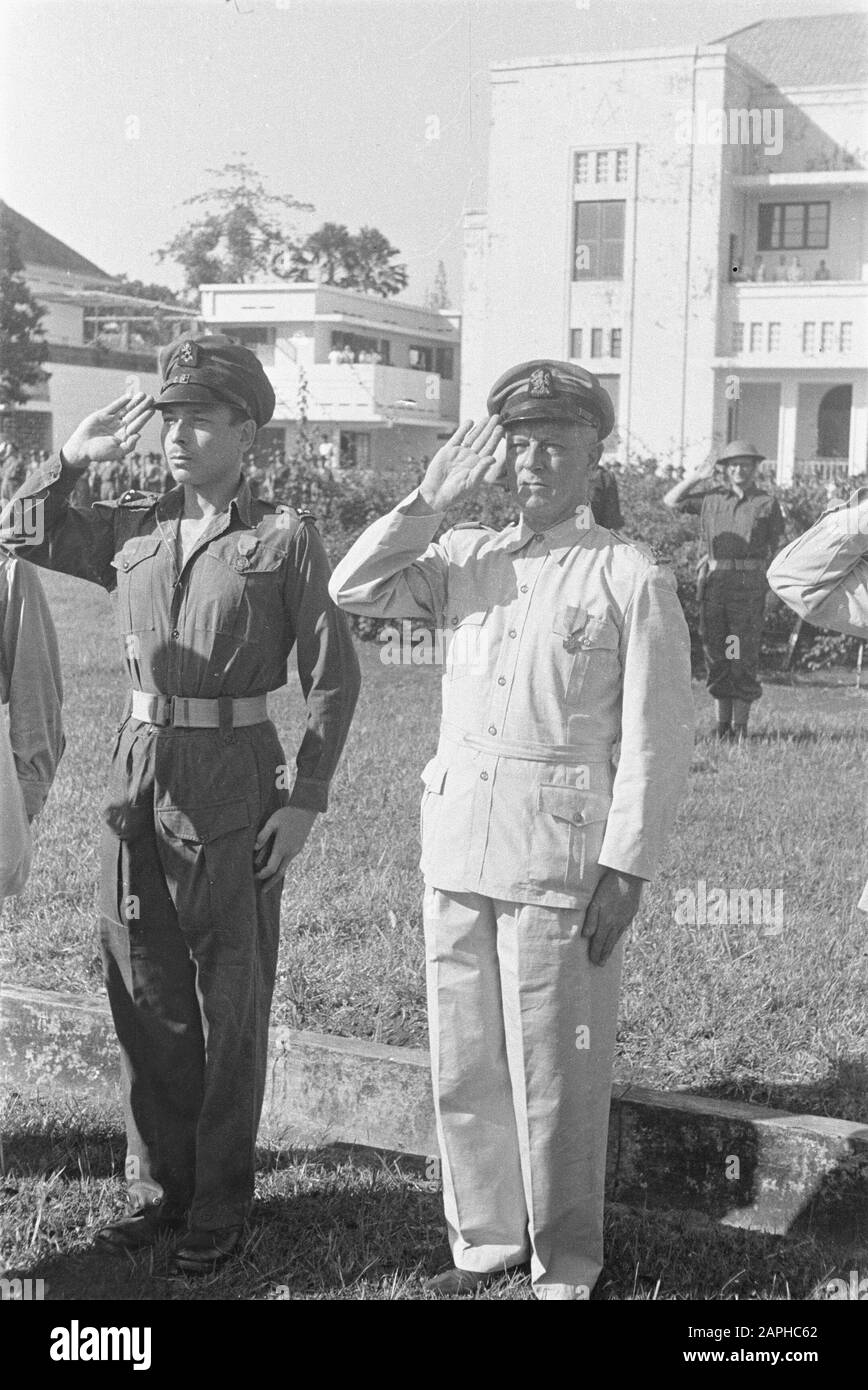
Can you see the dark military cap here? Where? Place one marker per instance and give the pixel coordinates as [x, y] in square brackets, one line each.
[212, 369]
[740, 449]
[546, 390]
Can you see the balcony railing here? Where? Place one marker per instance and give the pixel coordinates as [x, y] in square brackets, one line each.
[364, 391]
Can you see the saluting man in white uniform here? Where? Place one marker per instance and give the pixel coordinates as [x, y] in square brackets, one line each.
[566, 738]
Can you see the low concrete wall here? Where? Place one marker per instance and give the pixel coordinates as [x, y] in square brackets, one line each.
[740, 1164]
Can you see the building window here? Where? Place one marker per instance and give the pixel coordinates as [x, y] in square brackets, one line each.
[615, 343]
[582, 169]
[356, 347]
[598, 243]
[756, 337]
[774, 337]
[809, 337]
[355, 449]
[621, 166]
[845, 341]
[827, 337]
[738, 337]
[793, 226]
[575, 342]
[602, 166]
[596, 342]
[444, 363]
[421, 358]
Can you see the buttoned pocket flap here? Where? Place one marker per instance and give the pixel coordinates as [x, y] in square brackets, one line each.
[469, 619]
[137, 549]
[572, 804]
[204, 823]
[434, 776]
[569, 620]
[602, 632]
[246, 554]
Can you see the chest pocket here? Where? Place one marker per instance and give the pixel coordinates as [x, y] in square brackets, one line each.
[136, 565]
[238, 589]
[467, 643]
[589, 643]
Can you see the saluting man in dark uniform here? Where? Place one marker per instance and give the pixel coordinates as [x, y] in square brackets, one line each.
[214, 589]
[742, 527]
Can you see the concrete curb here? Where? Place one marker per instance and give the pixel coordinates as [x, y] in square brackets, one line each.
[743, 1165]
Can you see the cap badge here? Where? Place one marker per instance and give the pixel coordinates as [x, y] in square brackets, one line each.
[540, 383]
[188, 355]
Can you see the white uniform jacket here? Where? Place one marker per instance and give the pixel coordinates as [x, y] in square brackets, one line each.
[567, 709]
[823, 575]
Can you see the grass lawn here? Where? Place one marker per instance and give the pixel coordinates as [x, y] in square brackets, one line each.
[338, 1225]
[724, 1011]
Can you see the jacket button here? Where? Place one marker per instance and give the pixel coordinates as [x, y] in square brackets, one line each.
[501, 680]
[492, 729]
[524, 588]
[578, 818]
[483, 776]
[512, 632]
[175, 633]
[125, 564]
[454, 622]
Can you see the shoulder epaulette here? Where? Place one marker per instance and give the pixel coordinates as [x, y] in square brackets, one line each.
[471, 526]
[642, 547]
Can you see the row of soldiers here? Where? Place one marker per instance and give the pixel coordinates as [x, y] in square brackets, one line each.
[561, 760]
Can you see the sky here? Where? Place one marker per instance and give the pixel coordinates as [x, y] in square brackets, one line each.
[375, 111]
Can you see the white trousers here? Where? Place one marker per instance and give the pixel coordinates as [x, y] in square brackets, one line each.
[522, 1031]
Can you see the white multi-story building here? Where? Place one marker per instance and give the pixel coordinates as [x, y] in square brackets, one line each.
[393, 397]
[101, 342]
[689, 224]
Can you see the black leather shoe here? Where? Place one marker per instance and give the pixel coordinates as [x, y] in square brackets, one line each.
[200, 1252]
[138, 1230]
[454, 1283]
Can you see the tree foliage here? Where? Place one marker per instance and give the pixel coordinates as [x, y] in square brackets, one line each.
[137, 289]
[332, 255]
[22, 340]
[238, 235]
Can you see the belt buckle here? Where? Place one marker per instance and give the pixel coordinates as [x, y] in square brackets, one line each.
[166, 711]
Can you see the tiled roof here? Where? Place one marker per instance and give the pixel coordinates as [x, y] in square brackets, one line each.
[815, 51]
[40, 248]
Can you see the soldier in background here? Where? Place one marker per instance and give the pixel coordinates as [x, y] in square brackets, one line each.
[823, 575]
[742, 527]
[31, 736]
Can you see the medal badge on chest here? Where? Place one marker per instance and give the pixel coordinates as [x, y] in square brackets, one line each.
[576, 622]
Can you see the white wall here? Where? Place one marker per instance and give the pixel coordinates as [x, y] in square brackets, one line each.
[75, 392]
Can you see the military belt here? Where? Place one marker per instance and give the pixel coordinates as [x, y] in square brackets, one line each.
[737, 565]
[181, 712]
[530, 752]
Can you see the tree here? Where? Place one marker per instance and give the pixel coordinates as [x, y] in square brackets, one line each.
[136, 289]
[238, 237]
[438, 297]
[333, 255]
[22, 338]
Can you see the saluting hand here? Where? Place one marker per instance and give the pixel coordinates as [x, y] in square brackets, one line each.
[463, 465]
[613, 906]
[108, 435]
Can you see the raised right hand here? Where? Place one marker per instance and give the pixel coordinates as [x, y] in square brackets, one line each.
[463, 465]
[108, 435]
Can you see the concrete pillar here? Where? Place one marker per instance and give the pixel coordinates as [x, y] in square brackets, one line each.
[787, 430]
[858, 459]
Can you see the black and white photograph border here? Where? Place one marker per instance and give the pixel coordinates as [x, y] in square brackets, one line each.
[461, 403]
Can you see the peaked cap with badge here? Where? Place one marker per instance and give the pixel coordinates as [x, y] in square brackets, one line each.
[214, 370]
[548, 390]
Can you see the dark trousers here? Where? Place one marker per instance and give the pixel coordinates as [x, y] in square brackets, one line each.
[189, 944]
[731, 613]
